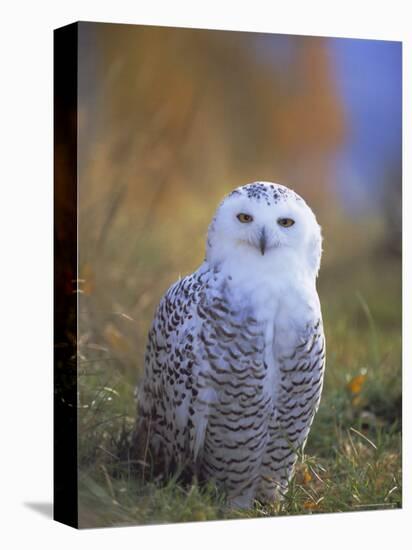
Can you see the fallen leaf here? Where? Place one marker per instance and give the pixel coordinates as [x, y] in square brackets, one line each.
[307, 477]
[310, 505]
[355, 385]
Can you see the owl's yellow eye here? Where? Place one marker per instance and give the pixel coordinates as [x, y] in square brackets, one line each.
[286, 222]
[245, 218]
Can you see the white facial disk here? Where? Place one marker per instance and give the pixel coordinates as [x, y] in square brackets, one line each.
[266, 225]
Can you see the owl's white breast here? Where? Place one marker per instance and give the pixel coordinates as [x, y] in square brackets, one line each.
[275, 286]
[282, 297]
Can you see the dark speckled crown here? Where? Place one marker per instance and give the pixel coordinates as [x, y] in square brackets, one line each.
[271, 193]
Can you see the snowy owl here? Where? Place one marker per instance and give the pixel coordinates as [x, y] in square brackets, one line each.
[236, 353]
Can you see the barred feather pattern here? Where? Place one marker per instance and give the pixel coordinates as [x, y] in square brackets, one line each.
[226, 392]
[299, 392]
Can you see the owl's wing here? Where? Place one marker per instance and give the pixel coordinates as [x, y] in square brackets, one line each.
[172, 412]
[300, 356]
[301, 379]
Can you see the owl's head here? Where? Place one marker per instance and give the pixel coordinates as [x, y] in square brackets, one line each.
[266, 225]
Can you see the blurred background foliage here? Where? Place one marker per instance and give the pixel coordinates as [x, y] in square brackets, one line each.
[170, 120]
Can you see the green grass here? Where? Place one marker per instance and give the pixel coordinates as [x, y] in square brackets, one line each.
[352, 461]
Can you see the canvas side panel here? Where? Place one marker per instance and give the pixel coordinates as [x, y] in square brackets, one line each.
[65, 275]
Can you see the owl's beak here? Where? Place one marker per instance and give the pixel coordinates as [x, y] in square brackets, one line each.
[262, 241]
